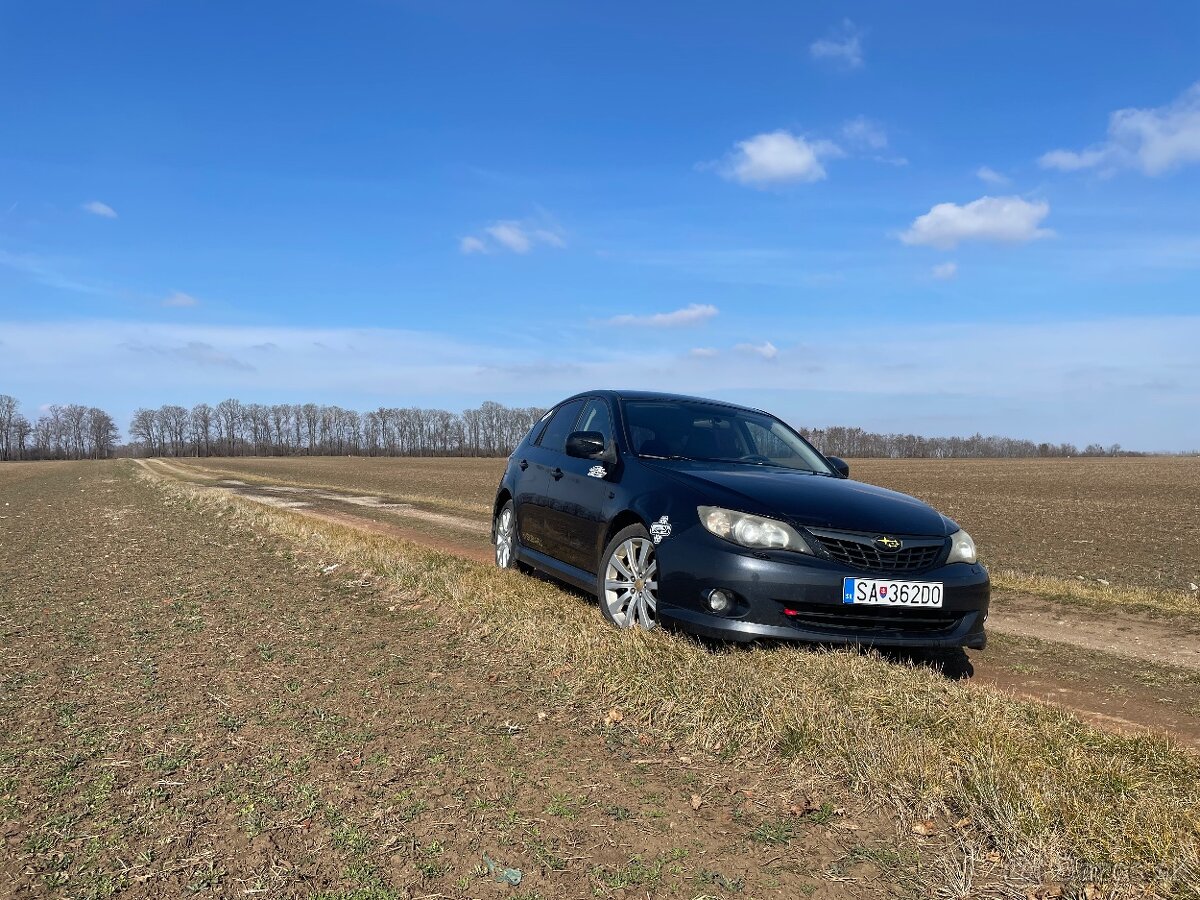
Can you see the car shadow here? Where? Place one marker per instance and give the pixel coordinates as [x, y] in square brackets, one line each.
[952, 664]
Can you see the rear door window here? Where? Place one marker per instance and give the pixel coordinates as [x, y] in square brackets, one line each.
[535, 432]
[563, 423]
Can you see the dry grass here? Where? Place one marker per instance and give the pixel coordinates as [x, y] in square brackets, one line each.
[1020, 793]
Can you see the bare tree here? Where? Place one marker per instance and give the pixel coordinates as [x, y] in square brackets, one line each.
[20, 431]
[102, 434]
[74, 417]
[143, 431]
[229, 425]
[172, 424]
[281, 426]
[8, 416]
[200, 423]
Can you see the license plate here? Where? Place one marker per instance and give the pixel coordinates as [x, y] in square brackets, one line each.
[884, 592]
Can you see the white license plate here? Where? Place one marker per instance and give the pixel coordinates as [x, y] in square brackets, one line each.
[884, 592]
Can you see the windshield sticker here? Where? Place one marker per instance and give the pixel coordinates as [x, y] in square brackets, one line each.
[661, 529]
[597, 472]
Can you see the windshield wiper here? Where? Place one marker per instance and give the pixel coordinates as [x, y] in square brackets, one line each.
[669, 456]
[759, 462]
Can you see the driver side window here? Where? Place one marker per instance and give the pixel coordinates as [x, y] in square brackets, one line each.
[555, 436]
[596, 418]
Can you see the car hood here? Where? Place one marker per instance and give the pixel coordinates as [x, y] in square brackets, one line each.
[818, 501]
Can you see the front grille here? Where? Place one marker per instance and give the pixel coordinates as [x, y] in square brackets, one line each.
[861, 553]
[871, 621]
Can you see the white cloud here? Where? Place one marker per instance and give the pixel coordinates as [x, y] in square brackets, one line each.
[863, 132]
[870, 139]
[198, 353]
[991, 176]
[510, 234]
[96, 208]
[778, 157]
[1156, 140]
[1070, 161]
[693, 314]
[766, 349]
[549, 237]
[944, 271]
[843, 45]
[180, 299]
[704, 352]
[1008, 220]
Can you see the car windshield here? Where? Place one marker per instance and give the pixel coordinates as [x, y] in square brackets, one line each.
[685, 429]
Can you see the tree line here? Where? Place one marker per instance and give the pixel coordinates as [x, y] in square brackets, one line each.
[839, 440]
[60, 432]
[233, 428]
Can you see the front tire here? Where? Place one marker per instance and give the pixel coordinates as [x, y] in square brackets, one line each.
[627, 585]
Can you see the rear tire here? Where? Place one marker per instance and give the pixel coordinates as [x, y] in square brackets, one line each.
[505, 530]
[627, 583]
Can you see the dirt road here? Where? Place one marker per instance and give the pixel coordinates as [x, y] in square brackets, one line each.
[1119, 671]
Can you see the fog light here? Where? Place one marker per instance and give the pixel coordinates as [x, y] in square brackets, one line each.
[719, 601]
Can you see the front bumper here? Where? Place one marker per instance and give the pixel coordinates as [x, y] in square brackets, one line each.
[788, 596]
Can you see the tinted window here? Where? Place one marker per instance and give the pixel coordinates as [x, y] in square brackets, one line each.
[538, 426]
[702, 431]
[563, 423]
[596, 418]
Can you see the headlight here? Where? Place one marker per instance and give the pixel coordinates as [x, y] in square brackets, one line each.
[751, 531]
[962, 548]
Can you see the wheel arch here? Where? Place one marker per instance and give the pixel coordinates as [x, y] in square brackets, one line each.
[621, 520]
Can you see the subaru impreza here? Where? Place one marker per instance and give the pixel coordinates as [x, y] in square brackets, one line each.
[725, 522]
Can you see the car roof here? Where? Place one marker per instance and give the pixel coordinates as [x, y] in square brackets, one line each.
[657, 395]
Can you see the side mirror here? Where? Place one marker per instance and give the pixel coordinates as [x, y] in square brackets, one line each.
[839, 465]
[586, 445]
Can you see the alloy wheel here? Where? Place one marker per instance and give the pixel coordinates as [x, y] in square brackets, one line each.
[630, 585]
[504, 538]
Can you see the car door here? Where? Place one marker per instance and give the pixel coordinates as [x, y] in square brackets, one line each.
[537, 527]
[578, 489]
[527, 485]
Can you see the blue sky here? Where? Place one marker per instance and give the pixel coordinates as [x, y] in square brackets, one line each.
[916, 217]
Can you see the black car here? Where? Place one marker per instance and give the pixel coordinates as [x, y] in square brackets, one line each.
[723, 521]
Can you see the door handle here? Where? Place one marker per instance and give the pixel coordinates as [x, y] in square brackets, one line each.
[556, 473]
[524, 464]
